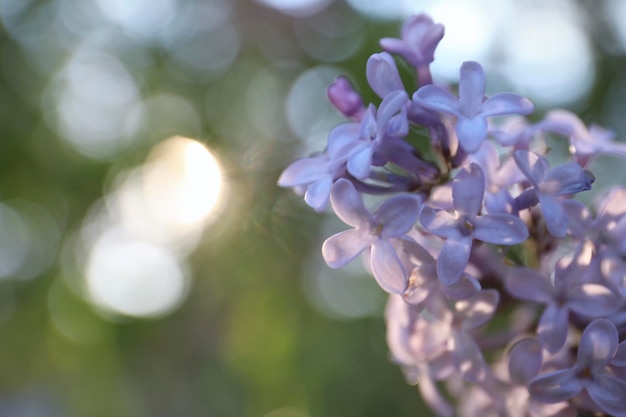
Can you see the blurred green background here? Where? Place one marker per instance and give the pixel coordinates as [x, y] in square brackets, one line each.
[149, 264]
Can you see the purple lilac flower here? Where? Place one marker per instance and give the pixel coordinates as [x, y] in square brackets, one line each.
[342, 95]
[549, 184]
[498, 178]
[423, 284]
[389, 120]
[395, 217]
[597, 348]
[471, 108]
[584, 143]
[420, 37]
[569, 292]
[316, 174]
[467, 224]
[455, 327]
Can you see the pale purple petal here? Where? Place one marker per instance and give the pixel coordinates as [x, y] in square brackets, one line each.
[579, 217]
[564, 123]
[387, 267]
[342, 140]
[421, 285]
[396, 46]
[391, 104]
[598, 344]
[471, 132]
[529, 285]
[479, 309]
[368, 128]
[398, 125]
[431, 395]
[468, 188]
[382, 74]
[437, 98]
[500, 228]
[525, 360]
[343, 247]
[555, 387]
[565, 179]
[609, 393]
[554, 215]
[397, 215]
[360, 163]
[453, 259]
[318, 193]
[593, 300]
[552, 329]
[348, 204]
[420, 36]
[440, 222]
[506, 103]
[303, 171]
[532, 165]
[467, 357]
[466, 287]
[620, 356]
[471, 88]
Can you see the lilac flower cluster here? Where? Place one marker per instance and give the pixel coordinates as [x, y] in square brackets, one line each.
[505, 290]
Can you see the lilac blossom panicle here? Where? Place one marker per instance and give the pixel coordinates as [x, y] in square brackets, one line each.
[507, 293]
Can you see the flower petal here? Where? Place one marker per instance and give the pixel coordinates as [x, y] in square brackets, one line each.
[397, 215]
[391, 104]
[303, 172]
[466, 287]
[529, 285]
[507, 103]
[471, 88]
[471, 132]
[598, 344]
[348, 204]
[387, 267]
[609, 393]
[552, 329]
[467, 357]
[360, 163]
[343, 247]
[620, 356]
[318, 193]
[342, 140]
[554, 215]
[555, 387]
[525, 360]
[437, 98]
[468, 188]
[532, 165]
[439, 222]
[479, 309]
[382, 74]
[453, 259]
[593, 300]
[500, 228]
[568, 178]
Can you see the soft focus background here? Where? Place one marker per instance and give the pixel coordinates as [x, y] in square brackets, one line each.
[149, 264]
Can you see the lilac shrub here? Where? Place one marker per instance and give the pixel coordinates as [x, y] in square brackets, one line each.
[507, 294]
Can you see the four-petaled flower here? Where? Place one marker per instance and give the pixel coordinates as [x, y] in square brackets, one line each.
[597, 348]
[549, 184]
[395, 217]
[471, 108]
[467, 224]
